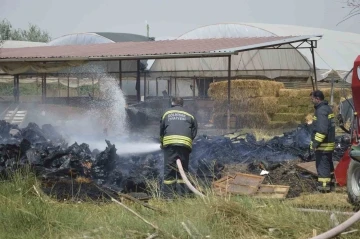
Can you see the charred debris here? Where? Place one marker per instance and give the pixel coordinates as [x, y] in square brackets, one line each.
[68, 171]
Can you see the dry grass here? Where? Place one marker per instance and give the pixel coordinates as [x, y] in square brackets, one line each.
[331, 201]
[26, 214]
[244, 89]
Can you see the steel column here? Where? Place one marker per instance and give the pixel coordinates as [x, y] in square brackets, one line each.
[229, 88]
[314, 65]
[68, 90]
[144, 85]
[43, 93]
[120, 74]
[137, 86]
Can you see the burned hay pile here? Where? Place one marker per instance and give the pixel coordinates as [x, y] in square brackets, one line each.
[62, 168]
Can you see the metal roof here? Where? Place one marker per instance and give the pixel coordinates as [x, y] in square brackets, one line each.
[146, 50]
[124, 37]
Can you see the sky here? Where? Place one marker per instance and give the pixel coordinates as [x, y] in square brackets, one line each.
[171, 18]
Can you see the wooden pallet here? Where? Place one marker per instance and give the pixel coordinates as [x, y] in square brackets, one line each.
[250, 185]
[272, 191]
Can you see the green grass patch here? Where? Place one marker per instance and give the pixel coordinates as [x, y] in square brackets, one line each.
[25, 213]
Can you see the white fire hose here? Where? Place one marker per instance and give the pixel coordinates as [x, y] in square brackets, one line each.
[340, 228]
[187, 182]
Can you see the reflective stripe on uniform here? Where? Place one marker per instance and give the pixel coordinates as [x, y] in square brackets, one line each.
[169, 181]
[324, 181]
[330, 116]
[326, 147]
[320, 137]
[177, 111]
[314, 117]
[180, 181]
[177, 139]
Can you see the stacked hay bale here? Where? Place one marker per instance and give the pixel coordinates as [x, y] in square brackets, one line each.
[263, 104]
[252, 102]
[296, 104]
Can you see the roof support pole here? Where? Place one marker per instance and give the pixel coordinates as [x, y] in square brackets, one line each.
[43, 93]
[137, 86]
[314, 65]
[68, 90]
[229, 88]
[175, 83]
[157, 86]
[16, 91]
[120, 74]
[144, 85]
[193, 88]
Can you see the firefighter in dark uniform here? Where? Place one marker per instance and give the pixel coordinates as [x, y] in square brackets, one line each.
[178, 129]
[323, 141]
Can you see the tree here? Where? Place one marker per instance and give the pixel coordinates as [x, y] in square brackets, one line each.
[33, 33]
[354, 6]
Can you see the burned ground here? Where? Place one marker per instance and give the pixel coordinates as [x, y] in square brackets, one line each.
[60, 166]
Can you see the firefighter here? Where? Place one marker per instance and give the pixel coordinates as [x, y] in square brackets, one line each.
[178, 128]
[323, 141]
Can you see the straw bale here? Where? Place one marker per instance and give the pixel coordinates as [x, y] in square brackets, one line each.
[257, 104]
[244, 89]
[295, 101]
[300, 93]
[295, 109]
[283, 124]
[295, 92]
[288, 117]
[242, 120]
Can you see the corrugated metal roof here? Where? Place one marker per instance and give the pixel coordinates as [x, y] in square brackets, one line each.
[124, 37]
[143, 50]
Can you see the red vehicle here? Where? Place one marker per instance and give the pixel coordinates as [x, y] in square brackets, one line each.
[348, 170]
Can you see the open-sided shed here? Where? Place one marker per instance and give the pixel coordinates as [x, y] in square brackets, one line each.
[51, 59]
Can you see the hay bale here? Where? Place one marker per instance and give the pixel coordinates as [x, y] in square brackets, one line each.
[295, 101]
[243, 120]
[295, 92]
[257, 104]
[244, 89]
[283, 124]
[288, 117]
[253, 120]
[302, 93]
[295, 109]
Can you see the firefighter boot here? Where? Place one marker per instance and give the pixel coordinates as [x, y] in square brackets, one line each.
[323, 185]
[182, 189]
[168, 190]
[332, 183]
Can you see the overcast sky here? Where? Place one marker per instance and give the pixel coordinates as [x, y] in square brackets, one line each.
[170, 17]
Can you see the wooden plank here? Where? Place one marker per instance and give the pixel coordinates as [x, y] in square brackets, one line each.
[238, 189]
[272, 191]
[222, 182]
[247, 179]
[311, 167]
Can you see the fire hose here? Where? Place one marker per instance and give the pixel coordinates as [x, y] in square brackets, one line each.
[186, 180]
[340, 228]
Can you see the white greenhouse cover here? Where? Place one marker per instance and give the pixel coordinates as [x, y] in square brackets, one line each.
[336, 52]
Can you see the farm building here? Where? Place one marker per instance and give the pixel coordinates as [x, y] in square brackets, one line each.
[146, 70]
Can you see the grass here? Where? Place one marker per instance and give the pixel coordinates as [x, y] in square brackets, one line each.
[24, 213]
